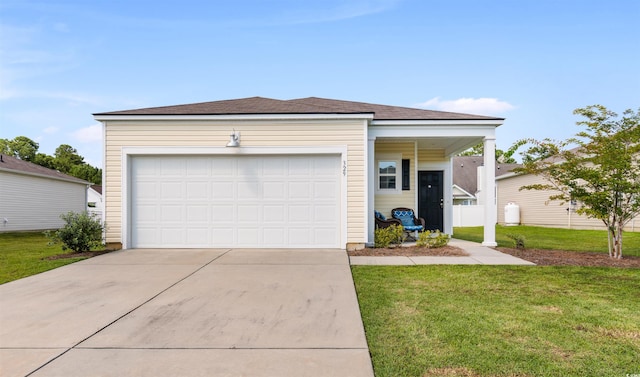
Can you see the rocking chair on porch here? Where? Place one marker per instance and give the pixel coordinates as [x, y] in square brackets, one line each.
[409, 221]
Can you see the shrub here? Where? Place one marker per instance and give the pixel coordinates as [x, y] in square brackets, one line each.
[81, 232]
[394, 234]
[518, 240]
[432, 240]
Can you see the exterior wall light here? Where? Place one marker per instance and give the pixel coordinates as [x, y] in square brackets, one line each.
[234, 139]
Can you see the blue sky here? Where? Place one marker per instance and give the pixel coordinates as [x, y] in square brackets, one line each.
[530, 61]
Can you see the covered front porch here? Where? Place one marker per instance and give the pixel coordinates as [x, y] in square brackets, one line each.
[410, 165]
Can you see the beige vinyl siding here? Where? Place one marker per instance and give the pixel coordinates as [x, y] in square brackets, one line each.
[431, 155]
[536, 208]
[35, 203]
[209, 133]
[406, 198]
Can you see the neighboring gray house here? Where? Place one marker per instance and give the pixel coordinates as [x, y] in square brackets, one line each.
[33, 197]
[467, 178]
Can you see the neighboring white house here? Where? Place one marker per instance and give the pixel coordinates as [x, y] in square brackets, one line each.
[267, 173]
[468, 198]
[94, 201]
[33, 197]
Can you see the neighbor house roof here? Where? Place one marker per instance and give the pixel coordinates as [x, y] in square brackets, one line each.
[310, 105]
[465, 171]
[15, 165]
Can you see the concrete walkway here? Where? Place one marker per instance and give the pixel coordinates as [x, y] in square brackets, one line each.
[478, 254]
[187, 313]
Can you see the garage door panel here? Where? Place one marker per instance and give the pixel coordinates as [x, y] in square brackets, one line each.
[300, 212]
[172, 214]
[248, 213]
[222, 213]
[198, 236]
[173, 236]
[223, 190]
[197, 214]
[248, 191]
[197, 190]
[325, 191]
[299, 236]
[325, 213]
[198, 167]
[300, 190]
[274, 213]
[239, 201]
[274, 191]
[274, 236]
[172, 167]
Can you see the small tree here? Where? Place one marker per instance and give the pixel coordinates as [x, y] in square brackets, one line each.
[81, 232]
[603, 172]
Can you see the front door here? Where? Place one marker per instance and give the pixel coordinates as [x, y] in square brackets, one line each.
[431, 198]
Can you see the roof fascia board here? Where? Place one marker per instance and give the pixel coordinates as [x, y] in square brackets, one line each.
[433, 130]
[439, 122]
[78, 181]
[367, 116]
[507, 175]
[465, 192]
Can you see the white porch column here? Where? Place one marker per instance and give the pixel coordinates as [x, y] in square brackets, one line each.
[371, 178]
[490, 209]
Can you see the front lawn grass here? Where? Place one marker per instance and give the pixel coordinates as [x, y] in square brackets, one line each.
[477, 321]
[554, 238]
[22, 255]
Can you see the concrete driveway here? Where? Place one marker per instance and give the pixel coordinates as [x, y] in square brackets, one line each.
[186, 312]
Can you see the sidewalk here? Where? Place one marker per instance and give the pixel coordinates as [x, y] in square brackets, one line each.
[478, 254]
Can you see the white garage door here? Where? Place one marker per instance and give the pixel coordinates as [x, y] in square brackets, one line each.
[239, 201]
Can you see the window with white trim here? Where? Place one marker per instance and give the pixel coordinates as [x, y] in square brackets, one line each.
[388, 174]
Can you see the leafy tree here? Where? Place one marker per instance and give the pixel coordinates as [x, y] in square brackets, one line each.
[602, 172]
[504, 157]
[45, 160]
[87, 172]
[66, 157]
[20, 147]
[4, 146]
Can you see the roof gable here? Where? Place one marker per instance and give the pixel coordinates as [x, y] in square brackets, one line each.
[15, 165]
[309, 105]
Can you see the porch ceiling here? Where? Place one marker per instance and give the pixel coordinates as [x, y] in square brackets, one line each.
[450, 145]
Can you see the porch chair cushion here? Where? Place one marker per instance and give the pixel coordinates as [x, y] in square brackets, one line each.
[408, 219]
[379, 215]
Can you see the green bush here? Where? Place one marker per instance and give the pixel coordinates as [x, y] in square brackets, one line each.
[81, 232]
[384, 237]
[518, 240]
[432, 240]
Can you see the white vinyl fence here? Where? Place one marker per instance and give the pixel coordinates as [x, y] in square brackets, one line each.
[468, 215]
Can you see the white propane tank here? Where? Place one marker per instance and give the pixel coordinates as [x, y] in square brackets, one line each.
[511, 214]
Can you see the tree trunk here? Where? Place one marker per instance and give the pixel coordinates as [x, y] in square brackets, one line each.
[615, 247]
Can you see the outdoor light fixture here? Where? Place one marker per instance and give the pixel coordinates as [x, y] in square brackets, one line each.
[234, 139]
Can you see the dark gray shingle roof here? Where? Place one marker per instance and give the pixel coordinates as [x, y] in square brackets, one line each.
[13, 164]
[465, 171]
[310, 105]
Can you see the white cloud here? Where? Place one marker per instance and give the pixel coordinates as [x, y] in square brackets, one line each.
[482, 106]
[89, 134]
[50, 130]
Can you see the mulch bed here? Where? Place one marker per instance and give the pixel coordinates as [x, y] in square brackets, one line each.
[571, 258]
[410, 251]
[86, 254]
